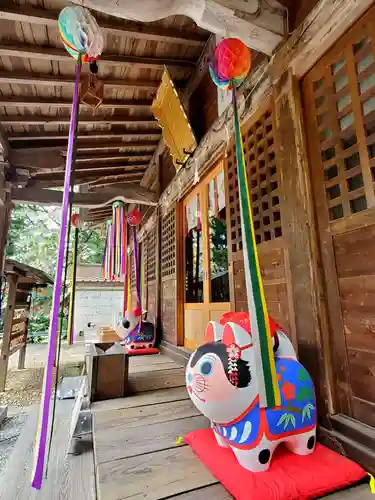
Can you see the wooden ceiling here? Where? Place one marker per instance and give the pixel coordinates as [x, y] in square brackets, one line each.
[115, 142]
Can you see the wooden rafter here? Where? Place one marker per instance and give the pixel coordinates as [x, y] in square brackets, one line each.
[25, 78]
[90, 158]
[31, 102]
[106, 180]
[52, 160]
[54, 54]
[94, 134]
[24, 13]
[83, 120]
[129, 193]
[56, 179]
[144, 147]
[116, 145]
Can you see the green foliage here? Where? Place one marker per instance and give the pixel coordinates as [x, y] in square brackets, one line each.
[34, 235]
[33, 240]
[306, 412]
[287, 418]
[219, 247]
[303, 375]
[305, 393]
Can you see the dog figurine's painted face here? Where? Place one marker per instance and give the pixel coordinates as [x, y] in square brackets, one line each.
[127, 324]
[208, 375]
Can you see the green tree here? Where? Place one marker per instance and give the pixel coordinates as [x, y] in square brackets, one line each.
[34, 235]
[33, 240]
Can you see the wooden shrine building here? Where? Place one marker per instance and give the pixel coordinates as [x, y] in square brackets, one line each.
[308, 124]
[21, 280]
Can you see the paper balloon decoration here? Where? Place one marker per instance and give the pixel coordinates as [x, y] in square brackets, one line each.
[80, 33]
[230, 63]
[134, 217]
[75, 220]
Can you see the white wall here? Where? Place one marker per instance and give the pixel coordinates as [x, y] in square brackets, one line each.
[97, 306]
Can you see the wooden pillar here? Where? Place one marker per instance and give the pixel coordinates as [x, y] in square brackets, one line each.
[22, 355]
[299, 232]
[158, 254]
[8, 320]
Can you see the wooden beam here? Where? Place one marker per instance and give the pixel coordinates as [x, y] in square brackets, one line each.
[325, 24]
[8, 320]
[94, 134]
[128, 193]
[25, 78]
[55, 54]
[141, 148]
[142, 31]
[4, 147]
[121, 146]
[89, 172]
[114, 179]
[91, 158]
[31, 102]
[83, 120]
[52, 160]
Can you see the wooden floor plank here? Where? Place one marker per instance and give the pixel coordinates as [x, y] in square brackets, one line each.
[153, 476]
[146, 361]
[153, 368]
[124, 443]
[16, 476]
[69, 477]
[214, 492]
[142, 399]
[162, 379]
[116, 420]
[361, 492]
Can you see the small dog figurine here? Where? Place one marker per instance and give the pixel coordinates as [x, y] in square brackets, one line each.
[136, 334]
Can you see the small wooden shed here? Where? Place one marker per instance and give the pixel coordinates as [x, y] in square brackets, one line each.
[21, 280]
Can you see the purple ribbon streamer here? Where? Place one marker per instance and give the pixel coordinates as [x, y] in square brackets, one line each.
[37, 476]
[136, 265]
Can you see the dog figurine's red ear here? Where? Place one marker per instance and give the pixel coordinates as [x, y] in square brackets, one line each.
[214, 332]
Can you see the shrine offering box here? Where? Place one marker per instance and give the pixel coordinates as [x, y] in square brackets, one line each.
[107, 370]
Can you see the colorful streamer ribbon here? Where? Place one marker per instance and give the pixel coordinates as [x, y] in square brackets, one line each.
[260, 329]
[41, 439]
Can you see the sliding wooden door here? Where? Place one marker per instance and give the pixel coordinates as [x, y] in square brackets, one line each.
[206, 277]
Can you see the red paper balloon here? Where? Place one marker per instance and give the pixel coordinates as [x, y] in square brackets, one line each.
[134, 217]
[76, 222]
[230, 63]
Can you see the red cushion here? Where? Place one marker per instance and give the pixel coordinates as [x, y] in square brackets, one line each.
[146, 350]
[290, 477]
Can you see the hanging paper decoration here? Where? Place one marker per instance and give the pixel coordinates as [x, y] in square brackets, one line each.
[80, 33]
[83, 39]
[119, 237]
[76, 223]
[230, 63]
[228, 68]
[114, 255]
[134, 219]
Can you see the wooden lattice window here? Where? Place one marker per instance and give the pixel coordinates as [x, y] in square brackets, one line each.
[263, 181]
[340, 103]
[150, 251]
[168, 244]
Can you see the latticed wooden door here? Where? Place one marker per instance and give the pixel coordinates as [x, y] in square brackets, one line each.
[266, 193]
[339, 102]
